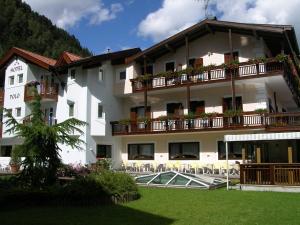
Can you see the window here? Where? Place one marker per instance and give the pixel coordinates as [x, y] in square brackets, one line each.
[123, 75]
[11, 80]
[192, 62]
[71, 109]
[103, 151]
[5, 151]
[234, 150]
[18, 112]
[149, 69]
[73, 73]
[184, 151]
[100, 110]
[228, 58]
[100, 75]
[141, 151]
[20, 78]
[170, 66]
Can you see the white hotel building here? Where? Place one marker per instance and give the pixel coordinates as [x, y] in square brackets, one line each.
[188, 112]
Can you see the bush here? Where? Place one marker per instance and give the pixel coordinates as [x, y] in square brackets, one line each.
[98, 188]
[116, 184]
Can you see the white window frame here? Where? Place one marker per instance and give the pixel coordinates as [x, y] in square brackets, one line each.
[20, 75]
[70, 103]
[99, 104]
[17, 110]
[11, 78]
[121, 71]
[101, 75]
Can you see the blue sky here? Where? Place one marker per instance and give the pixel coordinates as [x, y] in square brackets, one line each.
[119, 33]
[119, 24]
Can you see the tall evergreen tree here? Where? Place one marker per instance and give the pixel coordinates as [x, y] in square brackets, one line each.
[41, 144]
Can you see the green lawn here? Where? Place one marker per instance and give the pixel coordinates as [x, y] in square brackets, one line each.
[172, 206]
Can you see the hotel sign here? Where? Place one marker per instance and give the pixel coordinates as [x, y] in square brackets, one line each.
[16, 69]
[14, 96]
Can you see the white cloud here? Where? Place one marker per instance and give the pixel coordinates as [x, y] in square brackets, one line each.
[66, 13]
[175, 15]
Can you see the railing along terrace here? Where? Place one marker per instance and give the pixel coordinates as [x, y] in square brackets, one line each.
[209, 74]
[246, 120]
[46, 91]
[270, 174]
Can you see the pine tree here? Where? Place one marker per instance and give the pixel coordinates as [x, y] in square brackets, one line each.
[40, 148]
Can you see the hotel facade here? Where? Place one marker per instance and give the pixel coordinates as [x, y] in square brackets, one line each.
[171, 104]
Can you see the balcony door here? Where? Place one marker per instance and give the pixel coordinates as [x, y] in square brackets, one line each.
[137, 113]
[227, 103]
[174, 110]
[228, 58]
[197, 107]
[227, 106]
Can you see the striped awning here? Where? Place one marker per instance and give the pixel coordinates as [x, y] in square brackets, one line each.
[262, 136]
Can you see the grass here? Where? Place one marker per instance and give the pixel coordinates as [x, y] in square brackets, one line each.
[171, 207]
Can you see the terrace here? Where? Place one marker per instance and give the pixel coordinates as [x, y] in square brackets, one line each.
[48, 92]
[223, 73]
[212, 122]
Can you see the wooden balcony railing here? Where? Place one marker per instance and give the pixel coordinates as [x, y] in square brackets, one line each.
[1, 96]
[209, 75]
[49, 121]
[270, 174]
[247, 120]
[46, 91]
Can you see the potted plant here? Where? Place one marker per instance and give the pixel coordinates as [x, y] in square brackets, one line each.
[281, 58]
[15, 161]
[124, 122]
[261, 112]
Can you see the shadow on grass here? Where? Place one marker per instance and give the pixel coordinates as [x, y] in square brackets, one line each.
[106, 215]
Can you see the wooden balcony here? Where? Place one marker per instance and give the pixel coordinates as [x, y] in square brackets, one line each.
[1, 96]
[46, 91]
[215, 74]
[216, 122]
[270, 174]
[49, 121]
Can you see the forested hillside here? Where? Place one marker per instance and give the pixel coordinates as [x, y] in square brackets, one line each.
[24, 28]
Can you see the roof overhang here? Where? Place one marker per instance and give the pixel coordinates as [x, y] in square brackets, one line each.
[271, 33]
[28, 56]
[262, 137]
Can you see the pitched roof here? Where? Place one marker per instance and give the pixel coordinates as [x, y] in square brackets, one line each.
[72, 56]
[210, 26]
[116, 58]
[67, 58]
[32, 57]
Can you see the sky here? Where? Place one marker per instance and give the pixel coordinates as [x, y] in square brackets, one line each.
[122, 24]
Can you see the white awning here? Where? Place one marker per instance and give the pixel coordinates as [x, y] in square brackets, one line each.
[262, 137]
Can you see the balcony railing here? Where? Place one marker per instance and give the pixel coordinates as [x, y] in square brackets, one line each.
[49, 121]
[46, 91]
[209, 74]
[247, 120]
[1, 96]
[270, 174]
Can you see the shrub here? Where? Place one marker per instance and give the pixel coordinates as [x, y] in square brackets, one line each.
[116, 184]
